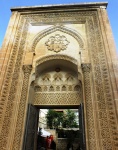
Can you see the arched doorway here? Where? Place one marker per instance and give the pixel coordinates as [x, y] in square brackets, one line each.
[56, 84]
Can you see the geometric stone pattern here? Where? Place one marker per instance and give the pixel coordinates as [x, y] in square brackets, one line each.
[10, 86]
[90, 126]
[103, 97]
[62, 98]
[22, 108]
[57, 88]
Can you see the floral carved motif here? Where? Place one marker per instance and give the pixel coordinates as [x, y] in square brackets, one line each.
[58, 28]
[57, 43]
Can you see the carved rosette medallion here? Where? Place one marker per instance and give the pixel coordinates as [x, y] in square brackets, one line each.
[57, 43]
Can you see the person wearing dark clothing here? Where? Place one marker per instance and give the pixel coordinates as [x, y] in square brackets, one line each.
[78, 148]
[53, 145]
[69, 146]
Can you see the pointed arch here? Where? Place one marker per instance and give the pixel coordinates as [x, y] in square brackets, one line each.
[63, 29]
[56, 57]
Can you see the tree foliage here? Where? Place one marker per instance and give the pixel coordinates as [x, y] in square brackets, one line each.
[69, 119]
[58, 119]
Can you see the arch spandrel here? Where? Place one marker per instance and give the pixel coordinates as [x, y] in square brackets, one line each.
[72, 44]
[60, 28]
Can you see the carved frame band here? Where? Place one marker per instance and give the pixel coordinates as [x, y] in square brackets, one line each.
[88, 107]
[22, 109]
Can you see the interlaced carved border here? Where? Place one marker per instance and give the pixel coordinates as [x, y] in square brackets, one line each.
[14, 67]
[59, 17]
[104, 99]
[57, 98]
[90, 126]
[8, 78]
[22, 106]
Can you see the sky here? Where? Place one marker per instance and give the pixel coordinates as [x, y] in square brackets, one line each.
[5, 12]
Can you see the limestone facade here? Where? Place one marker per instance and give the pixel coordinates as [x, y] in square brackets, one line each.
[59, 56]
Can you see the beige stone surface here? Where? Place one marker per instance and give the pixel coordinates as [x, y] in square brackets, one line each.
[45, 50]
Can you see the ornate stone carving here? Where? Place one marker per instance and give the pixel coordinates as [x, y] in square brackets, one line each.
[55, 57]
[57, 86]
[86, 67]
[57, 98]
[27, 68]
[11, 82]
[50, 88]
[58, 28]
[104, 98]
[60, 17]
[91, 143]
[8, 78]
[22, 108]
[57, 43]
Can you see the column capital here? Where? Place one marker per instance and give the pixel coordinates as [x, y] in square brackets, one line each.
[86, 67]
[27, 68]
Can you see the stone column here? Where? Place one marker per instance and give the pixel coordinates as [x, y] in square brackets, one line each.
[20, 125]
[88, 109]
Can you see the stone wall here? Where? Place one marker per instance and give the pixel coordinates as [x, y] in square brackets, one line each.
[62, 144]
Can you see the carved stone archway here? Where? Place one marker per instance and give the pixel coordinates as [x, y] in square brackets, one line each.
[58, 82]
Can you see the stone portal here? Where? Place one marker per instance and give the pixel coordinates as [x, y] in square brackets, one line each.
[59, 55]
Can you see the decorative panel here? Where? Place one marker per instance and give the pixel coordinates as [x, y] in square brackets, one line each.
[57, 87]
[57, 98]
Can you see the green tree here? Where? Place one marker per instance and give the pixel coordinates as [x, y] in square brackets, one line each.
[69, 120]
[54, 119]
[66, 119]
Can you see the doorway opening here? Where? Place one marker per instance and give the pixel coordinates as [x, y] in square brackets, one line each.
[56, 84]
[65, 126]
